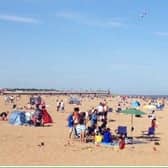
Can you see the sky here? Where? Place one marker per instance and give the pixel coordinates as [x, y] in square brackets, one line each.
[121, 45]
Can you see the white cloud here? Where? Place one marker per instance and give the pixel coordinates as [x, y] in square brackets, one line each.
[14, 18]
[86, 20]
[161, 33]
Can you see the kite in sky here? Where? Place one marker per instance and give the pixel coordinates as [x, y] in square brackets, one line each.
[143, 14]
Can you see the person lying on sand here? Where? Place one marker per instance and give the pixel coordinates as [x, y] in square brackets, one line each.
[4, 115]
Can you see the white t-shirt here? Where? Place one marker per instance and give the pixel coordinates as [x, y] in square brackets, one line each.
[62, 104]
[100, 108]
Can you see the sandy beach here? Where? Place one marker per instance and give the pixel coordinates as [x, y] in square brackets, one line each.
[20, 144]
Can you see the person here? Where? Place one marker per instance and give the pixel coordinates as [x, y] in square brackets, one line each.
[98, 138]
[14, 107]
[94, 117]
[103, 126]
[118, 108]
[70, 125]
[62, 105]
[37, 118]
[121, 142]
[100, 110]
[107, 136]
[91, 130]
[38, 100]
[81, 129]
[105, 111]
[153, 115]
[57, 105]
[3, 116]
[153, 123]
[32, 100]
[151, 129]
[76, 115]
[12, 99]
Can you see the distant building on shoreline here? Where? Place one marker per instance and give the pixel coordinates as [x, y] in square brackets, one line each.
[55, 92]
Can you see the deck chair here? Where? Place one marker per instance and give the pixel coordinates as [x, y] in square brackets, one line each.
[122, 130]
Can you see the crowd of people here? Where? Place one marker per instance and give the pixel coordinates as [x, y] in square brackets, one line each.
[83, 125]
[33, 114]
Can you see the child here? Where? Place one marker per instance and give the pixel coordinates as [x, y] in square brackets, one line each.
[70, 125]
[107, 137]
[122, 142]
[98, 138]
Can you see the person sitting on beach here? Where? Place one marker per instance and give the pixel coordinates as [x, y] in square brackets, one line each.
[37, 118]
[119, 108]
[4, 115]
[91, 130]
[98, 138]
[103, 126]
[107, 136]
[14, 107]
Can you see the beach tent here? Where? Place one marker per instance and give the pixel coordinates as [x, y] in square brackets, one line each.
[74, 100]
[46, 117]
[35, 100]
[149, 107]
[17, 118]
[160, 107]
[135, 104]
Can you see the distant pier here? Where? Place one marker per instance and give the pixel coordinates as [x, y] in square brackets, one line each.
[61, 92]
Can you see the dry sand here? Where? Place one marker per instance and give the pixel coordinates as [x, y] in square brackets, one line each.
[19, 144]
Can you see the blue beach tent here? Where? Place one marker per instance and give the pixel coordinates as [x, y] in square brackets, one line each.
[135, 104]
[17, 118]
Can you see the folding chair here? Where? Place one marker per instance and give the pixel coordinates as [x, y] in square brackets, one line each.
[122, 130]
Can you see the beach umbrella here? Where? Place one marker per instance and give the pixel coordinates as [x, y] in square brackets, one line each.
[132, 112]
[149, 107]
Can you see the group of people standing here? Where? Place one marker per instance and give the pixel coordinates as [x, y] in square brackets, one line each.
[60, 105]
[82, 124]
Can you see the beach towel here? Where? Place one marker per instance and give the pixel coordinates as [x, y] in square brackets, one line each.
[114, 144]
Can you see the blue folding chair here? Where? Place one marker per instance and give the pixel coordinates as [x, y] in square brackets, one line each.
[122, 130]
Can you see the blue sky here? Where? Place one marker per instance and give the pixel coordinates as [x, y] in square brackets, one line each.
[120, 45]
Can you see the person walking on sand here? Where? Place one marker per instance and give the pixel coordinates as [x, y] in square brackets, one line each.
[57, 105]
[62, 106]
